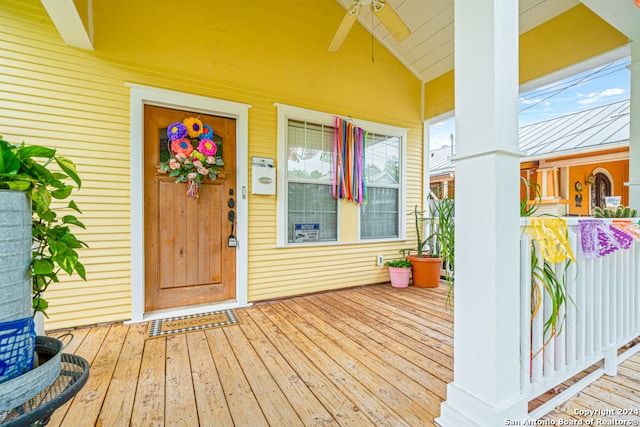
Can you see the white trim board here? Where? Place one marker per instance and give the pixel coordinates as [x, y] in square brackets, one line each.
[67, 20]
[145, 95]
[579, 161]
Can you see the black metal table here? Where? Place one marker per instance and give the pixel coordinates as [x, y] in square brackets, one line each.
[37, 410]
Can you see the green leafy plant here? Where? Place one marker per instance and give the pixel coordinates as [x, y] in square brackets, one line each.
[441, 216]
[544, 277]
[423, 246]
[54, 244]
[529, 205]
[441, 241]
[620, 212]
[443, 235]
[398, 263]
[426, 247]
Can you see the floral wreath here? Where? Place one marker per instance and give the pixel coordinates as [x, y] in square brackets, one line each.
[193, 154]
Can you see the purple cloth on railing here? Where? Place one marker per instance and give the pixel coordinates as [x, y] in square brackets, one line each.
[600, 239]
[612, 239]
[589, 237]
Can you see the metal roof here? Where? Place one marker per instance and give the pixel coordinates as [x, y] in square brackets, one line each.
[595, 129]
[440, 162]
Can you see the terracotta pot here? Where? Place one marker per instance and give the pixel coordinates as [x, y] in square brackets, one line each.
[425, 271]
[399, 276]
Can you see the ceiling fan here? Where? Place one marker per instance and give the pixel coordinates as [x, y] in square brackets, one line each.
[383, 11]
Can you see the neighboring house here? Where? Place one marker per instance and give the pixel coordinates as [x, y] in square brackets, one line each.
[578, 159]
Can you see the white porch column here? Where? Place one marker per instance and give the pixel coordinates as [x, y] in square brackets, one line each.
[486, 387]
[634, 133]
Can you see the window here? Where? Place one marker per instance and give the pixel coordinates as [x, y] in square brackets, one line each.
[306, 207]
[380, 216]
[309, 179]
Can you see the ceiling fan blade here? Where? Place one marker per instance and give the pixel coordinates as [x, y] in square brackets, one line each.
[344, 28]
[391, 20]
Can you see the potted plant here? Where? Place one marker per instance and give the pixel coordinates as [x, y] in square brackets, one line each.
[441, 212]
[619, 212]
[52, 244]
[37, 244]
[399, 272]
[426, 264]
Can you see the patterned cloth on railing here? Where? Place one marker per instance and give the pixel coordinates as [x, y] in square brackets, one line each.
[551, 234]
[631, 228]
[600, 239]
[589, 237]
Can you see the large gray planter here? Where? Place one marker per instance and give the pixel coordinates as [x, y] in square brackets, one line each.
[20, 389]
[15, 255]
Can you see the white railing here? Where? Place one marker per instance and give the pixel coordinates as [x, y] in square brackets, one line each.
[601, 314]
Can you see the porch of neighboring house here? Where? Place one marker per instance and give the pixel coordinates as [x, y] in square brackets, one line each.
[370, 355]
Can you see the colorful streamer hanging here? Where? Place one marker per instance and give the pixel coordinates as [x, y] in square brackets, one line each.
[552, 236]
[599, 239]
[349, 181]
[631, 228]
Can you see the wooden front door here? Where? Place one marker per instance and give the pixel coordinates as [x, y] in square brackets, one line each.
[188, 258]
[600, 189]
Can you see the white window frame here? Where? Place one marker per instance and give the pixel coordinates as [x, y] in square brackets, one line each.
[286, 113]
[289, 112]
[402, 210]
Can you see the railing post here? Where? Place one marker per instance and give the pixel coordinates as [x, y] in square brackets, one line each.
[525, 313]
[537, 326]
[634, 132]
[611, 361]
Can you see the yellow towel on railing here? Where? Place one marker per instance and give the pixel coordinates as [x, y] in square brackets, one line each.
[553, 239]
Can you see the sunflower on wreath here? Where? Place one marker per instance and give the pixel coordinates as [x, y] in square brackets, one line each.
[193, 154]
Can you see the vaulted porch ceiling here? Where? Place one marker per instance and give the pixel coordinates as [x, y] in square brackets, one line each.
[428, 51]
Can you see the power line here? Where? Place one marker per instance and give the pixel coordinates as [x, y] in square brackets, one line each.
[609, 68]
[570, 83]
[552, 88]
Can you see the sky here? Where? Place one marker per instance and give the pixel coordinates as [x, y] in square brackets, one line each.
[603, 85]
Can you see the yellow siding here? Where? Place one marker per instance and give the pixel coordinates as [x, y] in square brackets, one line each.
[256, 52]
[574, 36]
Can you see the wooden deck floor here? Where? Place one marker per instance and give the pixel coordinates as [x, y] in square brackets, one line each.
[606, 401]
[366, 356]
